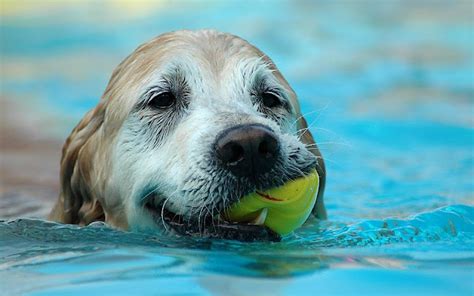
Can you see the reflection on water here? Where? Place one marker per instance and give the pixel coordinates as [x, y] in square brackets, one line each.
[60, 255]
[386, 86]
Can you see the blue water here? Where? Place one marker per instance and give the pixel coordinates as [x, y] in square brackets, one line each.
[388, 90]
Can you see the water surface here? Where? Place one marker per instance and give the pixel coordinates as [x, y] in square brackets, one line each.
[387, 90]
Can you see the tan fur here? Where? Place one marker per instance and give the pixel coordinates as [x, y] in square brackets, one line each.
[85, 162]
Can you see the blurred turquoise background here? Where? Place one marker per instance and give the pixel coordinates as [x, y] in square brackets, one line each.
[386, 85]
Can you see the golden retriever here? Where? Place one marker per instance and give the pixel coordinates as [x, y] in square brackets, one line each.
[189, 123]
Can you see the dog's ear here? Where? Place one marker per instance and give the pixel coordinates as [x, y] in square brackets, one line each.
[306, 137]
[78, 203]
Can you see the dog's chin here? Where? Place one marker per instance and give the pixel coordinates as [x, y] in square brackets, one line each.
[210, 227]
[215, 226]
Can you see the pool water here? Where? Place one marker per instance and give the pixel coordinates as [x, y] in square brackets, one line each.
[387, 90]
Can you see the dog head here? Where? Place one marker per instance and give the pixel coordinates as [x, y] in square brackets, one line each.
[189, 123]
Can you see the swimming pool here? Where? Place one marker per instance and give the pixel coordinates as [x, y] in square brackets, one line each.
[386, 88]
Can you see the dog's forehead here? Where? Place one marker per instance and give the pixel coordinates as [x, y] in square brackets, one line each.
[211, 61]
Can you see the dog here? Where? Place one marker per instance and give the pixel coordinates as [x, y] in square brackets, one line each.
[189, 123]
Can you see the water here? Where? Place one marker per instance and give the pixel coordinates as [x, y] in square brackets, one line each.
[387, 89]
[429, 253]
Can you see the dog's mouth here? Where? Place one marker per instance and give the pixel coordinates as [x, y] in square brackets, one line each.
[219, 225]
[213, 227]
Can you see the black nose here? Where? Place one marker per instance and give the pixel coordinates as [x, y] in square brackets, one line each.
[248, 150]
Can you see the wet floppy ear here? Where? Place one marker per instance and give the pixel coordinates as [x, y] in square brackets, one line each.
[306, 137]
[78, 203]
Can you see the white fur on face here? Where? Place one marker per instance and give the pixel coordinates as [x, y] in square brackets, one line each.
[168, 156]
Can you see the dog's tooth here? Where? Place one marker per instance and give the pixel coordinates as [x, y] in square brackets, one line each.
[260, 220]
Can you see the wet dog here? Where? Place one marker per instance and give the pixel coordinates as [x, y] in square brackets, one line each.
[189, 123]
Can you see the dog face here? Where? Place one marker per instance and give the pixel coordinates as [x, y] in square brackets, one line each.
[189, 123]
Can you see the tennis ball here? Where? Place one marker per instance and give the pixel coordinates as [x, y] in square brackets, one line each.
[282, 209]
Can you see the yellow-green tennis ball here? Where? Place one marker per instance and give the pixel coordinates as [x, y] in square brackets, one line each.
[281, 209]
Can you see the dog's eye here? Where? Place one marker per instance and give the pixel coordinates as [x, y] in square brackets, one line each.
[162, 100]
[270, 100]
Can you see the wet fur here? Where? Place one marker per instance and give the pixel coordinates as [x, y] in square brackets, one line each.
[101, 156]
